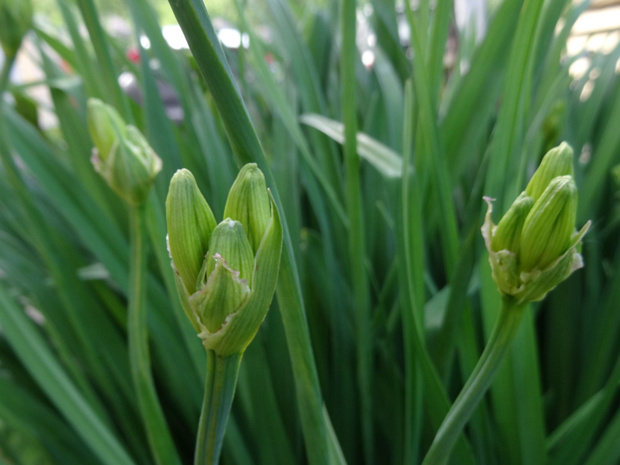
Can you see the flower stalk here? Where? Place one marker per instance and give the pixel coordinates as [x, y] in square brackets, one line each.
[226, 276]
[503, 333]
[220, 384]
[158, 433]
[129, 165]
[532, 249]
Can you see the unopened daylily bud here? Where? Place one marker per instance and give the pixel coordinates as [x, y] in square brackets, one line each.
[248, 202]
[105, 125]
[225, 280]
[122, 155]
[550, 224]
[190, 225]
[507, 235]
[232, 267]
[15, 21]
[557, 162]
[230, 242]
[535, 247]
[223, 294]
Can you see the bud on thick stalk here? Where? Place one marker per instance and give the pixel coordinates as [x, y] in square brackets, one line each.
[122, 155]
[535, 247]
[190, 225]
[557, 162]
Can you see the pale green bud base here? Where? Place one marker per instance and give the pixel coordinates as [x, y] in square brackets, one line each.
[505, 329]
[221, 381]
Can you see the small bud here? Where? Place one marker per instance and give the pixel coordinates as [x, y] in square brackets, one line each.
[190, 225]
[231, 244]
[507, 234]
[248, 202]
[548, 227]
[223, 294]
[15, 21]
[226, 277]
[105, 125]
[122, 155]
[557, 162]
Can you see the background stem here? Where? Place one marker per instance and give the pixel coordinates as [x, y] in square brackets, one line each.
[479, 381]
[357, 243]
[157, 431]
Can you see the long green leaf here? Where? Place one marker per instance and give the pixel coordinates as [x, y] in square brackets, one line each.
[384, 159]
[38, 357]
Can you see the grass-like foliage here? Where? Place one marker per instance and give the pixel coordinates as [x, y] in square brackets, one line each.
[385, 299]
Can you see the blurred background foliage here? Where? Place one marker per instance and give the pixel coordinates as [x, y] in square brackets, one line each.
[364, 347]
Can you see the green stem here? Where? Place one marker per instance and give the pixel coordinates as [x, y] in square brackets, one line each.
[158, 434]
[357, 252]
[6, 71]
[479, 381]
[220, 385]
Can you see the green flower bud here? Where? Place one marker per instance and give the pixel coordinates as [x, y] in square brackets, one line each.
[534, 247]
[507, 234]
[248, 202]
[233, 282]
[230, 242]
[15, 21]
[225, 278]
[557, 162]
[122, 155]
[190, 225]
[548, 227]
[105, 125]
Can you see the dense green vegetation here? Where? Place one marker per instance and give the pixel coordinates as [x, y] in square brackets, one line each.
[385, 297]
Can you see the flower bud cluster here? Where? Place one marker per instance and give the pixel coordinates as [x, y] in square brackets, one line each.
[226, 273]
[122, 155]
[535, 247]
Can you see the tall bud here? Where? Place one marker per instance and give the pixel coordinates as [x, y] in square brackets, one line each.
[557, 162]
[248, 202]
[551, 222]
[190, 225]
